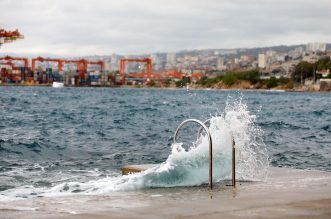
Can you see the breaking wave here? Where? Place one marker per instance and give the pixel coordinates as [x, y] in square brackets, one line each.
[184, 167]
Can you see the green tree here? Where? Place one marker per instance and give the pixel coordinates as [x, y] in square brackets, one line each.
[202, 80]
[302, 71]
[166, 83]
[183, 82]
[251, 76]
[208, 82]
[323, 63]
[151, 83]
[229, 79]
[283, 80]
[272, 82]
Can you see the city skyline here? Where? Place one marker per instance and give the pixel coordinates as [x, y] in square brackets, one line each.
[128, 27]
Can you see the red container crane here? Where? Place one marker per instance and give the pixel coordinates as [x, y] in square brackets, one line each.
[9, 58]
[8, 63]
[9, 36]
[41, 59]
[147, 74]
[82, 64]
[100, 63]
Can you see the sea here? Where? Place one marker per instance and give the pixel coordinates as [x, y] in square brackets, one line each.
[74, 141]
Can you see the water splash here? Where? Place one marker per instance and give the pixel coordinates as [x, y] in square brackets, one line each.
[185, 167]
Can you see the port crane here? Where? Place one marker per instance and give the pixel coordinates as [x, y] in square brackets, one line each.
[9, 36]
[10, 59]
[81, 64]
[8, 63]
[100, 63]
[4, 71]
[147, 74]
[41, 59]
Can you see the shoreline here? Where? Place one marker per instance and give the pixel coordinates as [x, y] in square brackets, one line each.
[286, 193]
[295, 90]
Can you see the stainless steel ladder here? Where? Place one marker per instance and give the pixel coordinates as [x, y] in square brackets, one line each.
[204, 127]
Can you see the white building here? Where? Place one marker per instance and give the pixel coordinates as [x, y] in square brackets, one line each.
[280, 57]
[171, 59]
[316, 47]
[262, 61]
[271, 53]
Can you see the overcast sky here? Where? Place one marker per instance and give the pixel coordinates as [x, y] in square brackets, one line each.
[103, 27]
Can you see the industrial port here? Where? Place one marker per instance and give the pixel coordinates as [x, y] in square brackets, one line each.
[16, 70]
[79, 72]
[76, 72]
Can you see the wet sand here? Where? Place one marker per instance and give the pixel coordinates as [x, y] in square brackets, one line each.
[287, 193]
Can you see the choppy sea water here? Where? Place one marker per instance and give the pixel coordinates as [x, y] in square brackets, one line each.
[75, 140]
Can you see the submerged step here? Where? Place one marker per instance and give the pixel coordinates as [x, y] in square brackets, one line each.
[136, 168]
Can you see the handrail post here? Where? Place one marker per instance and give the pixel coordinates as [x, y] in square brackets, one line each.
[203, 125]
[210, 164]
[233, 154]
[233, 162]
[210, 180]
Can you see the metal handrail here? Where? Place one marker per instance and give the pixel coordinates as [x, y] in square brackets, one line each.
[200, 129]
[210, 184]
[233, 153]
[233, 162]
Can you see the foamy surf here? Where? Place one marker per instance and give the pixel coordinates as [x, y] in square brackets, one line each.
[183, 167]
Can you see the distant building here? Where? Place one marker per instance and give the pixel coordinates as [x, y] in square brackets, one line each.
[280, 57]
[157, 62]
[262, 61]
[316, 47]
[296, 53]
[328, 53]
[107, 62]
[245, 58]
[255, 64]
[270, 53]
[220, 64]
[289, 67]
[312, 58]
[323, 73]
[114, 65]
[171, 59]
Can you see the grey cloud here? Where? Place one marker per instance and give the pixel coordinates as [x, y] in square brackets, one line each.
[82, 27]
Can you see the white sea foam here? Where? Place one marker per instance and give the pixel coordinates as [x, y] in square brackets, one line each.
[184, 167]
